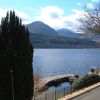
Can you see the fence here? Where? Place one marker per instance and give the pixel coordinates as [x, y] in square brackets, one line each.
[53, 95]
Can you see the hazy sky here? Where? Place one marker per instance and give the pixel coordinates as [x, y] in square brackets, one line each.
[56, 13]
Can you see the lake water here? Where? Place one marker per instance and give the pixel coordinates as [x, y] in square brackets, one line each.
[48, 62]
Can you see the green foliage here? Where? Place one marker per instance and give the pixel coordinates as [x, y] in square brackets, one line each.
[16, 54]
[86, 80]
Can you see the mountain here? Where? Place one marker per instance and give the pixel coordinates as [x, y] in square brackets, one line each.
[43, 36]
[69, 33]
[41, 28]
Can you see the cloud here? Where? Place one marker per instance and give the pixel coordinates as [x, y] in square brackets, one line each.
[52, 12]
[31, 9]
[24, 16]
[95, 0]
[90, 6]
[3, 13]
[54, 17]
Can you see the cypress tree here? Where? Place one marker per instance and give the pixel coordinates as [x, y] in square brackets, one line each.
[16, 74]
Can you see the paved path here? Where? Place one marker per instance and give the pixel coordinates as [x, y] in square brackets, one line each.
[89, 93]
[92, 95]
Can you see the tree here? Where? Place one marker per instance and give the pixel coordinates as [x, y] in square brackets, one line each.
[15, 59]
[90, 22]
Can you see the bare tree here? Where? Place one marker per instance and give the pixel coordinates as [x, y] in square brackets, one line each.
[38, 81]
[90, 22]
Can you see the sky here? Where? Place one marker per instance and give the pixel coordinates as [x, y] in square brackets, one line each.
[55, 13]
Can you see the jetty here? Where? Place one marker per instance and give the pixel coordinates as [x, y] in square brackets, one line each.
[56, 79]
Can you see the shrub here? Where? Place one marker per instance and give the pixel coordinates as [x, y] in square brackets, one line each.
[86, 80]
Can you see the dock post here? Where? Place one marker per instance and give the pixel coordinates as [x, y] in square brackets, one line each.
[55, 94]
[64, 91]
[45, 96]
[12, 84]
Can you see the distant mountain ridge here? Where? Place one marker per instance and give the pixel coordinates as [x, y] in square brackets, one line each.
[43, 36]
[68, 33]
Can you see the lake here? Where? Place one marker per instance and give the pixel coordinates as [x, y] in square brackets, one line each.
[48, 62]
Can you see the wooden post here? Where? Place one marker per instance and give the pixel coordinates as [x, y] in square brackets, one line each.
[12, 84]
[55, 94]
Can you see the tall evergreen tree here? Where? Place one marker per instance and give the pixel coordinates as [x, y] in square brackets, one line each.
[16, 73]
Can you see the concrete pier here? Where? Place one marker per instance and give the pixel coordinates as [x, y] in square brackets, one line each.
[58, 78]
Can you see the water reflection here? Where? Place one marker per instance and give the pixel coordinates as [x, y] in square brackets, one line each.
[59, 86]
